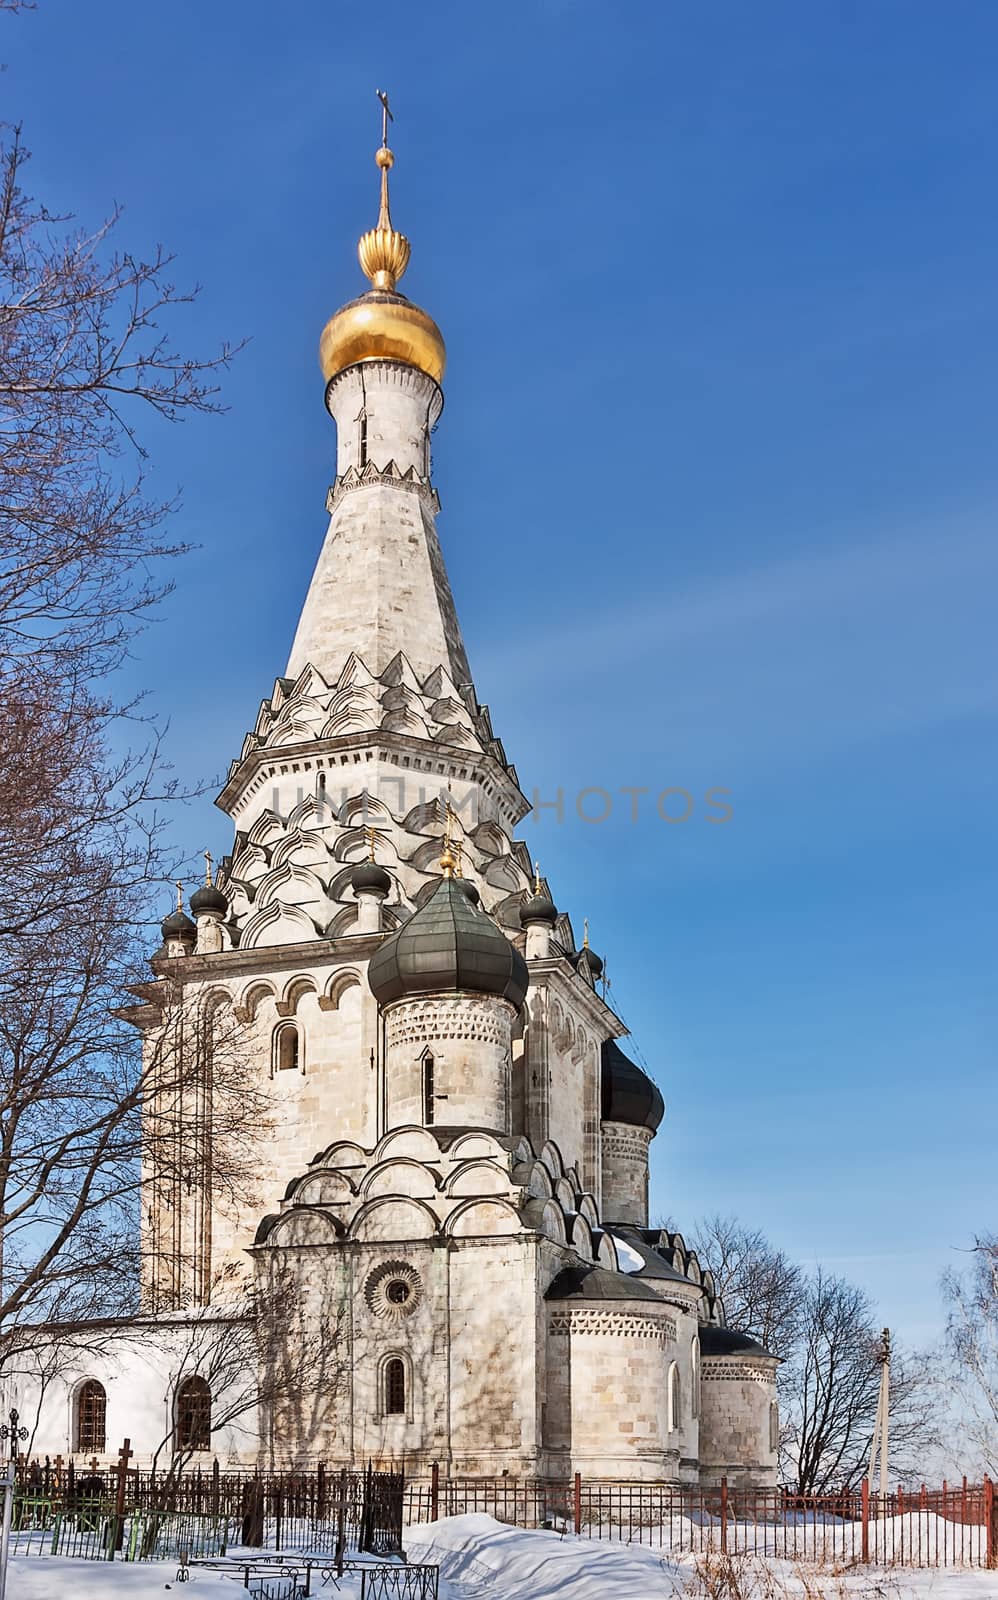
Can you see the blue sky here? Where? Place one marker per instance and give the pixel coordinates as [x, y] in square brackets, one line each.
[719, 486]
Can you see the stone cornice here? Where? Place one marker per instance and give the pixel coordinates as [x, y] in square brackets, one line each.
[391, 476]
[344, 948]
[557, 973]
[386, 745]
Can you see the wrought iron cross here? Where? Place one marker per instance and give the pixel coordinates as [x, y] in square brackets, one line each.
[386, 115]
[12, 1431]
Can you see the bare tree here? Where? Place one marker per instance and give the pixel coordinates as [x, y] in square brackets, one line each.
[830, 1391]
[84, 351]
[762, 1289]
[972, 1345]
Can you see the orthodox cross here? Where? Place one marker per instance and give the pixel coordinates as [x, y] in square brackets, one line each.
[180, 895]
[124, 1456]
[537, 877]
[386, 116]
[12, 1431]
[207, 869]
[371, 838]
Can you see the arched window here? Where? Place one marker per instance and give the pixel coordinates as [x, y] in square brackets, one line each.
[91, 1418]
[394, 1383]
[287, 1048]
[675, 1415]
[774, 1427]
[695, 1377]
[428, 1091]
[193, 1415]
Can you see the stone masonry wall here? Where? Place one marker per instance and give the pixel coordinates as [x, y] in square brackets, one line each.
[736, 1399]
[468, 1037]
[625, 1172]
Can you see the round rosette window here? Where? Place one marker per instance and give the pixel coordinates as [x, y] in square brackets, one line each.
[393, 1290]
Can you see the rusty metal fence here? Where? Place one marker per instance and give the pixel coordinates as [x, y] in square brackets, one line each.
[946, 1527]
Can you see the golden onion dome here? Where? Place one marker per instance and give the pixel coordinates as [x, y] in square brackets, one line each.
[382, 325]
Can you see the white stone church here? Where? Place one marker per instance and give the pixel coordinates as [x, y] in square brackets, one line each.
[450, 1183]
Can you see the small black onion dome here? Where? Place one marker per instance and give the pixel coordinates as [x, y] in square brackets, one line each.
[178, 925]
[716, 1341]
[539, 908]
[590, 959]
[370, 876]
[209, 898]
[470, 889]
[448, 944]
[628, 1094]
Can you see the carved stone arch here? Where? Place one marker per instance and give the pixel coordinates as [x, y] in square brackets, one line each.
[354, 670]
[344, 922]
[553, 1222]
[423, 818]
[294, 924]
[394, 1217]
[283, 877]
[475, 1145]
[551, 1157]
[284, 854]
[267, 825]
[213, 1001]
[588, 1209]
[565, 1194]
[359, 806]
[252, 998]
[323, 1187]
[344, 1153]
[489, 1218]
[539, 1184]
[303, 1225]
[299, 720]
[478, 1177]
[425, 857]
[410, 1140]
[339, 984]
[556, 1019]
[251, 862]
[502, 872]
[490, 838]
[606, 1255]
[693, 1270]
[582, 1238]
[294, 990]
[404, 1177]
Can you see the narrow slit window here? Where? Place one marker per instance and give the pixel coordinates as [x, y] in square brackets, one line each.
[395, 1388]
[428, 1091]
[363, 439]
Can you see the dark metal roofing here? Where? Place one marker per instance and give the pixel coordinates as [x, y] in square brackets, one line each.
[628, 1094]
[655, 1266]
[539, 908]
[370, 875]
[726, 1342]
[178, 925]
[208, 898]
[449, 944]
[597, 1283]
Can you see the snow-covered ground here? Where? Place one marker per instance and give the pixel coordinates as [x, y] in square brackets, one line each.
[481, 1559]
